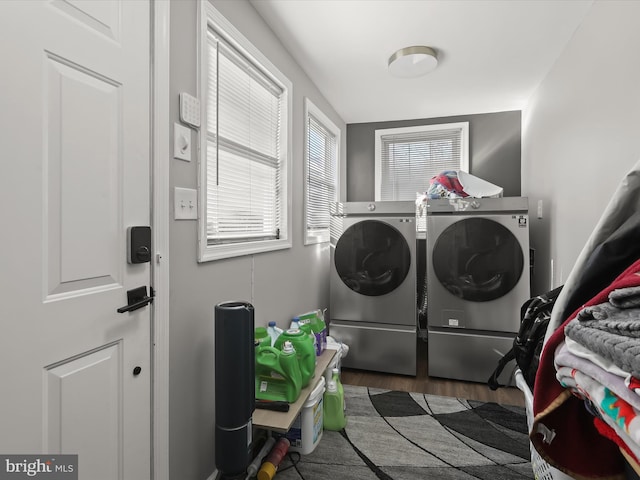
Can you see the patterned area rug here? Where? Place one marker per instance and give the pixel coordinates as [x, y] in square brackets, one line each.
[394, 435]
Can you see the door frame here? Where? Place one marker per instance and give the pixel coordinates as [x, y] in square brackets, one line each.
[160, 147]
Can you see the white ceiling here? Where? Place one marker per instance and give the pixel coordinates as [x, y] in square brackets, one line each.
[492, 53]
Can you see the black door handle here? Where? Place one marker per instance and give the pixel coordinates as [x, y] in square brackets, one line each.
[137, 298]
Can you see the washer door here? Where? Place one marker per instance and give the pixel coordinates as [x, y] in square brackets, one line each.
[372, 258]
[477, 259]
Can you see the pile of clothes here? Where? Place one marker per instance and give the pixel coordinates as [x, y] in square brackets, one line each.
[446, 185]
[586, 401]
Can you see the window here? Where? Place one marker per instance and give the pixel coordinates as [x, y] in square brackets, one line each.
[245, 146]
[407, 158]
[322, 143]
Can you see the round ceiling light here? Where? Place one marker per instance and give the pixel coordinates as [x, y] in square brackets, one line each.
[411, 62]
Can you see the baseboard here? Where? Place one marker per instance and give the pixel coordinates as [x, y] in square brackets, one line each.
[213, 475]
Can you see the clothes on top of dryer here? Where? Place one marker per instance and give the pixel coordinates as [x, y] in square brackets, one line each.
[446, 185]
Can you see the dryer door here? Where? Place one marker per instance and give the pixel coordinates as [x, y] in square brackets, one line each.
[372, 258]
[477, 259]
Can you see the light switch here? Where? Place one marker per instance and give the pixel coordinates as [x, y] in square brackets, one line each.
[185, 204]
[181, 142]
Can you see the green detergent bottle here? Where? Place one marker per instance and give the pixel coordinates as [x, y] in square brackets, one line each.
[315, 320]
[277, 374]
[305, 352]
[333, 413]
[262, 336]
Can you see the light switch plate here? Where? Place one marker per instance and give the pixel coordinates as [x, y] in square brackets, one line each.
[185, 203]
[181, 142]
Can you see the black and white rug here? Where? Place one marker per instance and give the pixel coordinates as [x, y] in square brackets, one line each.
[394, 435]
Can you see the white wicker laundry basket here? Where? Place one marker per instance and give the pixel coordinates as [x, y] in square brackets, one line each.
[541, 469]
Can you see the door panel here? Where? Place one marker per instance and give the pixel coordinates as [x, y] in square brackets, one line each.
[76, 171]
[94, 379]
[78, 229]
[101, 16]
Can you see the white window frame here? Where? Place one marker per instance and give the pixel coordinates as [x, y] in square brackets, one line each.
[464, 147]
[318, 236]
[212, 18]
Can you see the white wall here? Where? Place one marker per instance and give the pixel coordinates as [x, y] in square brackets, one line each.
[278, 284]
[581, 135]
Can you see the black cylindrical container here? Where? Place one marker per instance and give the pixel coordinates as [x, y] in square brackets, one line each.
[234, 385]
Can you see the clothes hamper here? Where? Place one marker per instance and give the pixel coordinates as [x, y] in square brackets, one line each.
[541, 469]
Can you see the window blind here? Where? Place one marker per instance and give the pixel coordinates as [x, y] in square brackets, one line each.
[321, 178]
[409, 160]
[244, 165]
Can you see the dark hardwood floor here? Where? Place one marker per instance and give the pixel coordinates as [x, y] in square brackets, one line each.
[422, 383]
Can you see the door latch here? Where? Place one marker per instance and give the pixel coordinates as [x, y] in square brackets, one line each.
[138, 244]
[137, 298]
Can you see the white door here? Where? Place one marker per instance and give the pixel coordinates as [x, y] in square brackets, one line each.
[74, 174]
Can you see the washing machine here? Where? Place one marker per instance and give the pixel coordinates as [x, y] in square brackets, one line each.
[477, 280]
[373, 284]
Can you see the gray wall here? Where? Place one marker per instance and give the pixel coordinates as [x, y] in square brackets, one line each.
[494, 151]
[278, 284]
[580, 136]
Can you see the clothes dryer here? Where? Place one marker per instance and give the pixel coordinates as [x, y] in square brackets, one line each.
[373, 284]
[477, 280]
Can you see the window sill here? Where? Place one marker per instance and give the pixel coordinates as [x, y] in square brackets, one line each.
[312, 239]
[218, 252]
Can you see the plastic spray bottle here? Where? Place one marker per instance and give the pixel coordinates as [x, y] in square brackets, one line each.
[335, 377]
[333, 414]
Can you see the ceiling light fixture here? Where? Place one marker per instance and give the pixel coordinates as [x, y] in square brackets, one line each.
[411, 62]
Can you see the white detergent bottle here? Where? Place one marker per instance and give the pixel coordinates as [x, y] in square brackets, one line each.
[274, 332]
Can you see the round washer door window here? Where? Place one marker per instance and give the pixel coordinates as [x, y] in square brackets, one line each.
[478, 259]
[372, 258]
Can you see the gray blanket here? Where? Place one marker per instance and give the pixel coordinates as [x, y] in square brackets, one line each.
[611, 329]
[623, 351]
[606, 317]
